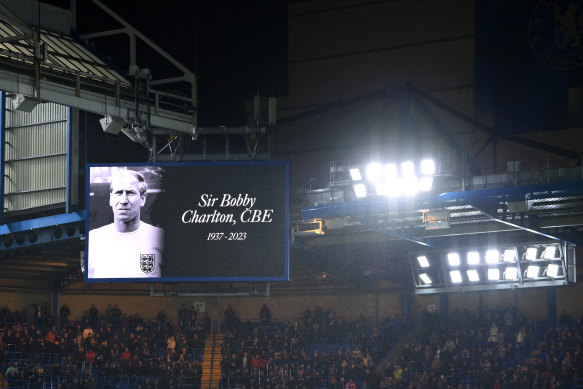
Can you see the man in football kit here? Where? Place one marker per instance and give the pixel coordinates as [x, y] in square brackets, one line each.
[128, 247]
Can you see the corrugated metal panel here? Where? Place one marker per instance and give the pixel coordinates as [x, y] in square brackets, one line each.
[35, 157]
[63, 54]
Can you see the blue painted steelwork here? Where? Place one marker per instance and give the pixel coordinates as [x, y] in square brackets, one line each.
[514, 193]
[42, 230]
[396, 229]
[492, 215]
[44, 222]
[371, 206]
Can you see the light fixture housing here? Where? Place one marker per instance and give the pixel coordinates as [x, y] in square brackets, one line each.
[552, 270]
[423, 261]
[473, 258]
[355, 174]
[473, 275]
[24, 103]
[374, 172]
[511, 273]
[492, 256]
[532, 271]
[360, 190]
[531, 253]
[509, 255]
[453, 259]
[455, 276]
[112, 124]
[493, 274]
[425, 278]
[427, 167]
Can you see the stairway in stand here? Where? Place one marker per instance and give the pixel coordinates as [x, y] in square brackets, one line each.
[211, 362]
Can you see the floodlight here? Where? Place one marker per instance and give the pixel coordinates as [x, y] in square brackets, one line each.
[511, 273]
[360, 190]
[393, 189]
[473, 275]
[425, 183]
[408, 169]
[137, 133]
[456, 276]
[355, 174]
[473, 258]
[24, 103]
[382, 188]
[391, 171]
[453, 259]
[549, 252]
[425, 278]
[532, 271]
[112, 124]
[409, 186]
[492, 256]
[531, 253]
[423, 262]
[427, 167]
[493, 274]
[387, 188]
[374, 172]
[508, 255]
[553, 270]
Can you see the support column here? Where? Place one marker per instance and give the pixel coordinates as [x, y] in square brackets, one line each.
[551, 306]
[405, 298]
[443, 308]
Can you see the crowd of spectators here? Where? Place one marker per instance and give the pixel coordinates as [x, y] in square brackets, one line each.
[489, 349]
[99, 348]
[486, 349]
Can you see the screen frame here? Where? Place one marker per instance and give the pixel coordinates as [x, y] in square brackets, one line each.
[285, 273]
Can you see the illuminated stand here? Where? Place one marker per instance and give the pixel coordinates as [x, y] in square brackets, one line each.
[532, 229]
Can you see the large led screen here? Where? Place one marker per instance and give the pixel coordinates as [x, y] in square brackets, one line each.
[219, 221]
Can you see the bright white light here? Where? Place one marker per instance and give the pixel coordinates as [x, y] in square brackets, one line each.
[456, 276]
[473, 275]
[425, 278]
[360, 190]
[531, 253]
[355, 174]
[511, 273]
[423, 262]
[492, 256]
[473, 258]
[453, 259]
[427, 167]
[408, 169]
[387, 188]
[549, 253]
[553, 270]
[393, 189]
[382, 188]
[374, 172]
[425, 183]
[391, 171]
[508, 255]
[532, 271]
[409, 186]
[493, 274]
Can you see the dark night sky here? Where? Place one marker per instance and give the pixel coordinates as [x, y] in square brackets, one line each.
[235, 48]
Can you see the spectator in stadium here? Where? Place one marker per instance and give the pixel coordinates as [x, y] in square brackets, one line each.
[128, 247]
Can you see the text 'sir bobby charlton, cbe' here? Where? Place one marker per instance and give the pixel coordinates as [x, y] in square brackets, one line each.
[129, 247]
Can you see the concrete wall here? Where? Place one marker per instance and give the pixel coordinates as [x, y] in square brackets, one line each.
[532, 302]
